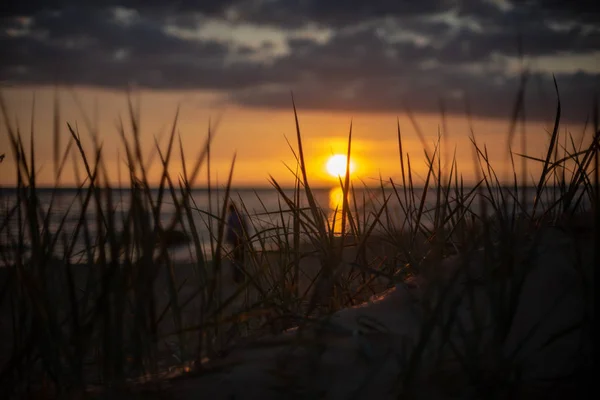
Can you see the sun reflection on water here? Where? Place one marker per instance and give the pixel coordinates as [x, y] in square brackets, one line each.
[336, 202]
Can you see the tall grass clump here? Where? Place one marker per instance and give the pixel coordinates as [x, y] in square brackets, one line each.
[117, 313]
[91, 297]
[116, 310]
[469, 247]
[496, 232]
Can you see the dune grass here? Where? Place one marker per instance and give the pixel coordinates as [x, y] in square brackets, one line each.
[117, 323]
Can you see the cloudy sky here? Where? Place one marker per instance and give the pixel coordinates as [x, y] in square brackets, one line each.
[366, 60]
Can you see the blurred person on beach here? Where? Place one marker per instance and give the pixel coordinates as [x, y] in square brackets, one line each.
[237, 230]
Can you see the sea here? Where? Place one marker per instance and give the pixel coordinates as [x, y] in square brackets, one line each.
[266, 210]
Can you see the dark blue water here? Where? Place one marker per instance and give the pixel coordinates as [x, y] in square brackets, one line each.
[266, 209]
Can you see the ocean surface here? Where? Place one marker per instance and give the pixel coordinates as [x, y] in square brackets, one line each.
[266, 210]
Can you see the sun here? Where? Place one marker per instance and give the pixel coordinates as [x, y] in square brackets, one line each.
[336, 165]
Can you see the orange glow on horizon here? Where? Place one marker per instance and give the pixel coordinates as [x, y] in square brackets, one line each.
[258, 137]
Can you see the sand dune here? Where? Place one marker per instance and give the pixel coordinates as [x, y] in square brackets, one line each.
[364, 350]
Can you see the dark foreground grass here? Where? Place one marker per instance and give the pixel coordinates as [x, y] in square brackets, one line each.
[127, 314]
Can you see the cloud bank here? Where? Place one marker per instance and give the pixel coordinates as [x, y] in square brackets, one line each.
[379, 56]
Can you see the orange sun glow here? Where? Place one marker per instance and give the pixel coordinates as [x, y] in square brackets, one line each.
[336, 165]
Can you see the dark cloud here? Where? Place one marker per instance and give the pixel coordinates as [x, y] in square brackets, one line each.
[356, 55]
[580, 10]
[423, 92]
[372, 61]
[346, 12]
[334, 12]
[33, 7]
[362, 71]
[367, 53]
[535, 40]
[294, 13]
[77, 47]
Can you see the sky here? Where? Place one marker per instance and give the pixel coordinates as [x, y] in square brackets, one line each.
[233, 64]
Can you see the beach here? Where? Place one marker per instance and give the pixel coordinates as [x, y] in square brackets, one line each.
[352, 359]
[366, 350]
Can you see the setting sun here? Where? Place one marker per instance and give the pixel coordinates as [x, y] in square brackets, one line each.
[336, 165]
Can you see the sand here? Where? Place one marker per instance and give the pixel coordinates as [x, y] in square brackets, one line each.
[365, 352]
